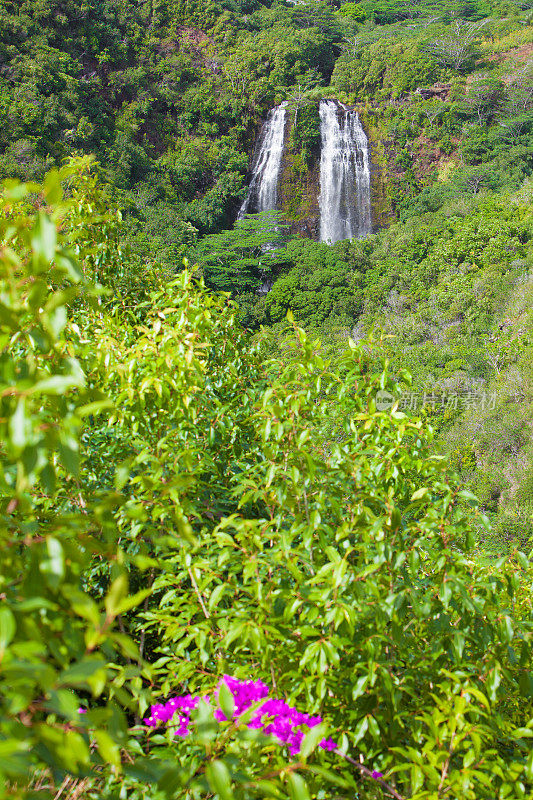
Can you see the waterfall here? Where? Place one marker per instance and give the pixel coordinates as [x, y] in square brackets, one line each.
[345, 209]
[266, 165]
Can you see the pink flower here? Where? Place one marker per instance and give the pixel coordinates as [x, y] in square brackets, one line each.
[275, 717]
[328, 744]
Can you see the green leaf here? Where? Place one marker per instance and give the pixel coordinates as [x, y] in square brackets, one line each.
[44, 238]
[471, 499]
[445, 592]
[133, 600]
[53, 190]
[419, 494]
[78, 748]
[311, 740]
[13, 759]
[58, 384]
[53, 567]
[269, 789]
[8, 627]
[216, 595]
[69, 265]
[529, 766]
[417, 778]
[83, 605]
[492, 683]
[55, 321]
[92, 409]
[297, 787]
[64, 703]
[526, 733]
[206, 725]
[107, 748]
[219, 779]
[79, 674]
[48, 479]
[115, 596]
[329, 775]
[507, 629]
[20, 428]
[360, 730]
[226, 700]
[360, 686]
[70, 456]
[122, 475]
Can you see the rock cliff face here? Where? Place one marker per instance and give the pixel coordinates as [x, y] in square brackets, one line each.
[300, 175]
[300, 188]
[439, 91]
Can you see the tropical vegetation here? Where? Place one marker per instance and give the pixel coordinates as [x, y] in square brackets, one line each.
[266, 514]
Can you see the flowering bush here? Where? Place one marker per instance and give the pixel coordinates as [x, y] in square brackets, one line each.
[274, 717]
[273, 522]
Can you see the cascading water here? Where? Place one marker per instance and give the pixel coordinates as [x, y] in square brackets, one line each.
[345, 207]
[266, 166]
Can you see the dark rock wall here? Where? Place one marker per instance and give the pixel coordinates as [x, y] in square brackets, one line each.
[300, 173]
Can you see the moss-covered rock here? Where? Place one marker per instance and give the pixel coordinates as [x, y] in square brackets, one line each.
[300, 174]
[381, 184]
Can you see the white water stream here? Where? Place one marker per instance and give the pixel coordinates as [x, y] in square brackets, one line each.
[263, 190]
[345, 204]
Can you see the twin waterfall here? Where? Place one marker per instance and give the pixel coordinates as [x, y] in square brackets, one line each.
[344, 199]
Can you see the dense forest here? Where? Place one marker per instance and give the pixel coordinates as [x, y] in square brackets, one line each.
[266, 498]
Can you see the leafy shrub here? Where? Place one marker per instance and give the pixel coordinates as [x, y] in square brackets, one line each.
[290, 529]
[58, 644]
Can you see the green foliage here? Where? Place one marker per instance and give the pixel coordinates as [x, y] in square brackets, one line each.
[57, 642]
[485, 97]
[305, 133]
[385, 69]
[174, 505]
[321, 287]
[385, 12]
[160, 102]
[351, 587]
[151, 436]
[243, 259]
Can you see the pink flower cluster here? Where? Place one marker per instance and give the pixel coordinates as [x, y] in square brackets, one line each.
[274, 717]
[165, 712]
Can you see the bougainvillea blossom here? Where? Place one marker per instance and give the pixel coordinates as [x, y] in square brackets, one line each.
[275, 717]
